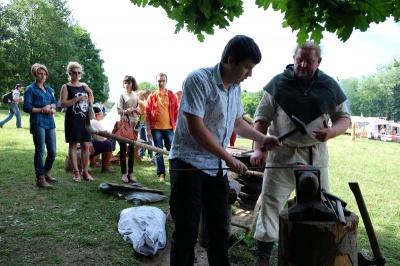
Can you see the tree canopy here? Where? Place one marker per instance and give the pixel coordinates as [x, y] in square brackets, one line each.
[43, 31]
[376, 95]
[310, 18]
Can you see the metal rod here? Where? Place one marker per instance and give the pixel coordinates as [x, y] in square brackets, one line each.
[250, 168]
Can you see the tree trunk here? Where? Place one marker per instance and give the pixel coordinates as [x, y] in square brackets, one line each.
[317, 242]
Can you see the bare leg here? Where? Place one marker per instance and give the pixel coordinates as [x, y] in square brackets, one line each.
[85, 156]
[73, 156]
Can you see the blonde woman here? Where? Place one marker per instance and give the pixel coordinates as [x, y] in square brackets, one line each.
[75, 96]
[41, 105]
[128, 109]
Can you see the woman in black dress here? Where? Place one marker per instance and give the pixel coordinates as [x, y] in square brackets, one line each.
[75, 96]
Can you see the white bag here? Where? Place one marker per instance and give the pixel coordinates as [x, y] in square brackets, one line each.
[144, 227]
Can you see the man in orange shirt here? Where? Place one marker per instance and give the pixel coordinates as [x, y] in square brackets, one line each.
[161, 116]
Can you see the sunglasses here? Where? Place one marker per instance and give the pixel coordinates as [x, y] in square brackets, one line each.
[76, 72]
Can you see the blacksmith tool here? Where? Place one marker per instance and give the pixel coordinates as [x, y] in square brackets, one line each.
[246, 152]
[308, 204]
[300, 127]
[339, 209]
[378, 258]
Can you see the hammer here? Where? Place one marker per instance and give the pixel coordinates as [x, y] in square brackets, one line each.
[300, 127]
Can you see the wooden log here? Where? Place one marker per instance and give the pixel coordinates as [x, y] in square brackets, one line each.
[317, 242]
[68, 164]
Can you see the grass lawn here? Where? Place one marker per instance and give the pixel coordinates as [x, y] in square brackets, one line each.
[76, 224]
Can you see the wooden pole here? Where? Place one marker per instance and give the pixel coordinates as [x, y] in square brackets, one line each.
[353, 131]
[108, 135]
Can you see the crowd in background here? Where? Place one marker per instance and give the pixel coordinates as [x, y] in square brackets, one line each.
[151, 113]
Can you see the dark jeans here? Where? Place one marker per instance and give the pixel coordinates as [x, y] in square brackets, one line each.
[160, 135]
[194, 193]
[42, 137]
[142, 133]
[122, 157]
[101, 146]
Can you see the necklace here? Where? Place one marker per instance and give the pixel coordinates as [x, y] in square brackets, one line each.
[305, 92]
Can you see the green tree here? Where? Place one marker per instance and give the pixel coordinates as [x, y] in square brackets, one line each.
[38, 35]
[251, 100]
[4, 35]
[310, 18]
[43, 31]
[350, 88]
[377, 94]
[147, 85]
[89, 57]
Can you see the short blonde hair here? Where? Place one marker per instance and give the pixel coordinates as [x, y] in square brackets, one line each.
[71, 66]
[35, 67]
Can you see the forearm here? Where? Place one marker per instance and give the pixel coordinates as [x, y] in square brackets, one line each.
[65, 103]
[69, 103]
[262, 127]
[245, 130]
[339, 127]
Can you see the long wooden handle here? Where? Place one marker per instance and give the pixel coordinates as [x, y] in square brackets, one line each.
[367, 220]
[107, 135]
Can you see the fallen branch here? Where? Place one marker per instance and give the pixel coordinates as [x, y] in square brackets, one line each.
[108, 135]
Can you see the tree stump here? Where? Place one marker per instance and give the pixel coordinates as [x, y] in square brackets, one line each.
[68, 164]
[308, 243]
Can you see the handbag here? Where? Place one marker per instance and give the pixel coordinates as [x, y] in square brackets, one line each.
[90, 111]
[125, 129]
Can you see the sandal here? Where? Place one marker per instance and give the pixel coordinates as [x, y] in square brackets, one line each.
[131, 178]
[77, 177]
[87, 176]
[125, 178]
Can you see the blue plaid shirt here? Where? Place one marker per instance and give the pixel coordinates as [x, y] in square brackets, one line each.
[35, 97]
